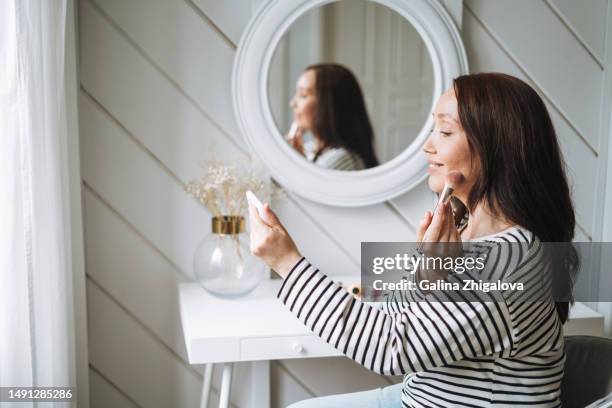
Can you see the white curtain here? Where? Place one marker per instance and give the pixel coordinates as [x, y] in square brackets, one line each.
[37, 342]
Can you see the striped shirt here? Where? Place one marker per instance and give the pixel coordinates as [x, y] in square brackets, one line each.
[339, 159]
[469, 354]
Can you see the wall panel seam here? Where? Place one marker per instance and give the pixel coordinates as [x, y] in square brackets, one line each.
[135, 230]
[588, 235]
[395, 209]
[133, 138]
[196, 9]
[323, 230]
[146, 328]
[306, 388]
[130, 399]
[555, 10]
[530, 77]
[115, 386]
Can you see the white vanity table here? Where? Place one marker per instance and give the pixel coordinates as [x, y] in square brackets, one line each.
[254, 328]
[258, 328]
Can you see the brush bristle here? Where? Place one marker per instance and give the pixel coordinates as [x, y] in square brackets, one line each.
[453, 178]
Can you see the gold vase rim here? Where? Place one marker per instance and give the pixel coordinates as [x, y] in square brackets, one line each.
[228, 224]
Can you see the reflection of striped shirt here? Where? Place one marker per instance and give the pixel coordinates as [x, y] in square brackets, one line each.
[339, 159]
[470, 354]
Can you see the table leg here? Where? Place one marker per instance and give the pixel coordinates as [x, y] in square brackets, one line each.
[226, 385]
[260, 384]
[208, 373]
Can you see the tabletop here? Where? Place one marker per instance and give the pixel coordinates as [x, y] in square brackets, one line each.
[259, 327]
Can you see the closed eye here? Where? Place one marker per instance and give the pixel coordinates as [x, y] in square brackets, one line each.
[444, 133]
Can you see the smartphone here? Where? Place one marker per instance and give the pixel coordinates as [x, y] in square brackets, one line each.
[252, 199]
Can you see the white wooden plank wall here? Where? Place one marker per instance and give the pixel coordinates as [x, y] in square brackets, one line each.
[155, 101]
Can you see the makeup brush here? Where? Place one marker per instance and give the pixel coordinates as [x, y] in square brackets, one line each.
[292, 132]
[451, 181]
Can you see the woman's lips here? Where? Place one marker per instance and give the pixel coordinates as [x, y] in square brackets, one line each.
[433, 165]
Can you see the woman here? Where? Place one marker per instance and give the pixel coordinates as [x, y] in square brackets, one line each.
[328, 103]
[496, 131]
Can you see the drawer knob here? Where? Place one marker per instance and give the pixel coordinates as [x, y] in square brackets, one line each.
[298, 348]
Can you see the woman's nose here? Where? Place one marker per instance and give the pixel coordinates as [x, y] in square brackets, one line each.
[428, 146]
[292, 103]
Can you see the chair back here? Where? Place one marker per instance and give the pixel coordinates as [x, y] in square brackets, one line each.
[588, 370]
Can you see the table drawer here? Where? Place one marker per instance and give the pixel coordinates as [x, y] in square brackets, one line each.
[275, 348]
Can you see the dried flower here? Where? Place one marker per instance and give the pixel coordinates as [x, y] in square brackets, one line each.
[222, 188]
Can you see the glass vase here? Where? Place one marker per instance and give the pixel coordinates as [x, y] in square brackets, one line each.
[223, 263]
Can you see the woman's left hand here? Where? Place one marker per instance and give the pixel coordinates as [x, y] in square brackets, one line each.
[441, 226]
[271, 242]
[443, 240]
[297, 140]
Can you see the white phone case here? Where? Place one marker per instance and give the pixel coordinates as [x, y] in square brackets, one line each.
[252, 198]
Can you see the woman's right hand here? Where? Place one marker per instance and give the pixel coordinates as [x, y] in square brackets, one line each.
[270, 241]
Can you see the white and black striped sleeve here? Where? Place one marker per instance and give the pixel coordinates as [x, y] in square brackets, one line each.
[422, 335]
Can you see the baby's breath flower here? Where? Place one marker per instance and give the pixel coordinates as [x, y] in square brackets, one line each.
[221, 189]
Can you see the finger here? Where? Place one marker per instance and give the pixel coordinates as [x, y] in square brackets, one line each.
[449, 224]
[254, 218]
[455, 236]
[269, 217]
[425, 221]
[298, 145]
[435, 229]
[453, 231]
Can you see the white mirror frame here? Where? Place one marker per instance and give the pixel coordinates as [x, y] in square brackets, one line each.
[289, 168]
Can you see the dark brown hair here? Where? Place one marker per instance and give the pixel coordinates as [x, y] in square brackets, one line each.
[522, 175]
[341, 118]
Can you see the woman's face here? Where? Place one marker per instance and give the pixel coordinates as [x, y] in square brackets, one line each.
[447, 148]
[304, 101]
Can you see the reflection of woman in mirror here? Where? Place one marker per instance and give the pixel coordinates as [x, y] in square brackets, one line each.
[329, 104]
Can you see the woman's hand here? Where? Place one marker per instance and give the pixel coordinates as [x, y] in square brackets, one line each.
[443, 239]
[271, 242]
[296, 140]
[441, 226]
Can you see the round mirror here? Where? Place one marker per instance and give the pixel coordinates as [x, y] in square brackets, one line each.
[373, 69]
[350, 85]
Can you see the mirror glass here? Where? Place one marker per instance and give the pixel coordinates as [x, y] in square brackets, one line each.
[350, 85]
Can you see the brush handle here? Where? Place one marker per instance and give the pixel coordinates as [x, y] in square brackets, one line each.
[293, 131]
[446, 195]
